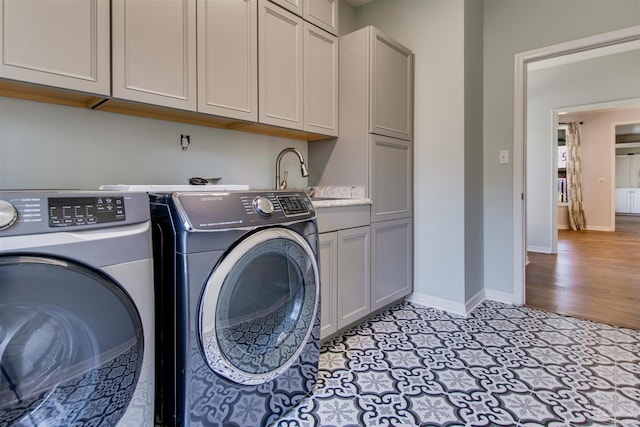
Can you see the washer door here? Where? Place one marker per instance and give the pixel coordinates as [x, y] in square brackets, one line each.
[259, 306]
[71, 344]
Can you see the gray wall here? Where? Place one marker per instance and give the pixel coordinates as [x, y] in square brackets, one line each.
[512, 27]
[473, 192]
[53, 146]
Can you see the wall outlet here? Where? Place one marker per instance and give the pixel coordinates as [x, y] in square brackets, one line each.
[602, 180]
[503, 156]
[185, 141]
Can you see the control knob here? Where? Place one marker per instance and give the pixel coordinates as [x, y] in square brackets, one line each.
[263, 206]
[8, 214]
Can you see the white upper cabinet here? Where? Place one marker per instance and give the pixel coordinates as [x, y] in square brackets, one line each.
[56, 43]
[228, 58]
[280, 58]
[323, 13]
[391, 89]
[320, 81]
[154, 52]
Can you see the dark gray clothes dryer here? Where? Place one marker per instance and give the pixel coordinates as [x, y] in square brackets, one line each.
[238, 281]
[76, 309]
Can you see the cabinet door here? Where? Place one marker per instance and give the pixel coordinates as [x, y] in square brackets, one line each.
[323, 13]
[353, 275]
[634, 201]
[228, 58]
[320, 81]
[391, 110]
[328, 284]
[56, 43]
[634, 168]
[623, 168]
[280, 44]
[391, 262]
[390, 178]
[293, 6]
[622, 201]
[154, 52]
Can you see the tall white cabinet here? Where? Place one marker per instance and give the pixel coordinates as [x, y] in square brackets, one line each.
[64, 44]
[375, 150]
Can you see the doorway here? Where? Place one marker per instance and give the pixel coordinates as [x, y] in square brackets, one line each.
[563, 52]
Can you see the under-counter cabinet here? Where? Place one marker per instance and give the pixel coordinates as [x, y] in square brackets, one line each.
[628, 200]
[54, 43]
[391, 261]
[154, 52]
[345, 278]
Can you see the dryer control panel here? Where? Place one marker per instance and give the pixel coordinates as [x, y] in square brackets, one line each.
[217, 210]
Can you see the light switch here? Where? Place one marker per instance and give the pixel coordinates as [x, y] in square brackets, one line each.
[504, 156]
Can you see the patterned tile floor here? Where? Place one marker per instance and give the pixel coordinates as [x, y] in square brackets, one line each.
[501, 366]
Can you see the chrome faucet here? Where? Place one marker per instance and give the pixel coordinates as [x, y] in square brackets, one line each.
[282, 184]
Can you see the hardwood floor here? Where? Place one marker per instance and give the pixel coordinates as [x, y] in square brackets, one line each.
[595, 275]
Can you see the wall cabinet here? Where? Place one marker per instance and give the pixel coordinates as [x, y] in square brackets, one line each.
[298, 72]
[391, 102]
[391, 261]
[280, 50]
[323, 13]
[320, 81]
[154, 52]
[628, 200]
[345, 278]
[228, 58]
[62, 44]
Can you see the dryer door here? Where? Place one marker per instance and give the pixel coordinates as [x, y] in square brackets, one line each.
[259, 306]
[71, 344]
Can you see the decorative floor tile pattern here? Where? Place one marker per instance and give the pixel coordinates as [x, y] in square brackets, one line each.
[501, 366]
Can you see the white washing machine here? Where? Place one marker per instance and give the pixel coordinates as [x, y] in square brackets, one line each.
[76, 309]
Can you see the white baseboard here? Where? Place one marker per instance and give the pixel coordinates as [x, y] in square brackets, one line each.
[438, 303]
[505, 297]
[457, 308]
[598, 228]
[564, 226]
[540, 249]
[474, 302]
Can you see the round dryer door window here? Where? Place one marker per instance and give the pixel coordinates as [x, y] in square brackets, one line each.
[259, 306]
[71, 344]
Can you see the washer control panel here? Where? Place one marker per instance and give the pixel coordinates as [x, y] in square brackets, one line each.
[49, 211]
[69, 211]
[217, 210]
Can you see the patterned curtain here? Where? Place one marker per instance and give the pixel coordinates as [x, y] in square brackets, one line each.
[574, 178]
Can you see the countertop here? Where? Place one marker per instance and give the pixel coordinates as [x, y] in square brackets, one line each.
[333, 202]
[329, 197]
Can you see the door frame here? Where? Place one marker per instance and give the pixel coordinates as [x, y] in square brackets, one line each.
[519, 135]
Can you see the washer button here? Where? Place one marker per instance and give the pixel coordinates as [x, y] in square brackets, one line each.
[8, 214]
[263, 206]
